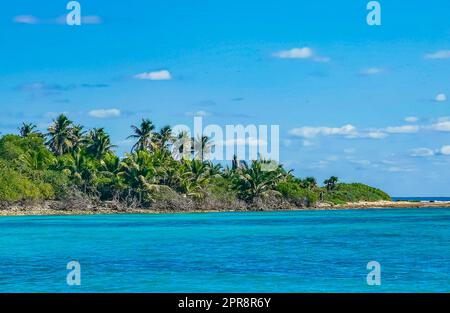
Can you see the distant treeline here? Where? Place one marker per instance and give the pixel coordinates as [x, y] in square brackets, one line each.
[69, 160]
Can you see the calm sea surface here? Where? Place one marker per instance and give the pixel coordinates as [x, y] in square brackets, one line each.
[324, 251]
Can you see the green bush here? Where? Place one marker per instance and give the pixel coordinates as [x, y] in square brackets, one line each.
[292, 190]
[355, 192]
[16, 187]
[222, 188]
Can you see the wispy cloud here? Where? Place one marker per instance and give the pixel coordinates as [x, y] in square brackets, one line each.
[200, 113]
[441, 126]
[445, 150]
[372, 71]
[346, 131]
[311, 132]
[61, 20]
[421, 152]
[411, 119]
[86, 85]
[155, 75]
[39, 86]
[300, 53]
[351, 132]
[25, 19]
[405, 129]
[104, 113]
[441, 54]
[427, 152]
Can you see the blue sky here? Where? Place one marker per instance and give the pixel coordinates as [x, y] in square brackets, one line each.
[364, 103]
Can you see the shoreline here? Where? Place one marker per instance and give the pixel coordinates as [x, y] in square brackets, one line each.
[46, 210]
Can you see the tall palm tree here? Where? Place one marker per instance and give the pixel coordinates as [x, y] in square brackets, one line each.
[252, 181]
[60, 135]
[139, 173]
[202, 147]
[144, 135]
[98, 143]
[164, 137]
[236, 163]
[78, 137]
[194, 177]
[331, 183]
[28, 129]
[309, 183]
[182, 146]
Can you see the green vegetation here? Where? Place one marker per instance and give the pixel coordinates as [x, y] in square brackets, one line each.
[70, 161]
[344, 193]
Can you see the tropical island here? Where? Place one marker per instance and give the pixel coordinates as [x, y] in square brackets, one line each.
[72, 171]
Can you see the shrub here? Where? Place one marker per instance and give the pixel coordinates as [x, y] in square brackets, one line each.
[14, 186]
[355, 192]
[292, 190]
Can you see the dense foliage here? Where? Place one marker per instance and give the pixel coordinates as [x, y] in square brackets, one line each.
[68, 159]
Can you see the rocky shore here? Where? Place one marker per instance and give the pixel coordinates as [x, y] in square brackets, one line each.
[382, 204]
[58, 208]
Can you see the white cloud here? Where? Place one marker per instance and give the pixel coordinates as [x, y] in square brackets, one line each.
[300, 53]
[398, 169]
[372, 71]
[351, 132]
[440, 97]
[441, 54]
[25, 19]
[347, 131]
[405, 129]
[443, 126]
[104, 113]
[295, 53]
[411, 119]
[310, 132]
[373, 135]
[445, 150]
[422, 152]
[156, 75]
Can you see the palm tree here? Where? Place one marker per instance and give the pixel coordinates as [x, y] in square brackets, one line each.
[309, 183]
[98, 143]
[28, 129]
[236, 163]
[78, 137]
[37, 160]
[331, 183]
[202, 147]
[164, 137]
[253, 181]
[139, 174]
[78, 166]
[144, 135]
[194, 177]
[60, 135]
[182, 146]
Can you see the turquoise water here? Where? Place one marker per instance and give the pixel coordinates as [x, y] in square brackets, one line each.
[323, 251]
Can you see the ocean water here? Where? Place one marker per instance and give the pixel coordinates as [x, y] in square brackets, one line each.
[310, 251]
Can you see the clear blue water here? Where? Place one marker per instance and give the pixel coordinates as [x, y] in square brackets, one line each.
[311, 251]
